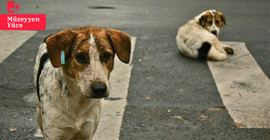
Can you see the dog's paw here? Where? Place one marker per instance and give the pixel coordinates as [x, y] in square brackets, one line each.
[229, 50]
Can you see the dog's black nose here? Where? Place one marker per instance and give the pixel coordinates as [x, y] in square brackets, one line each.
[214, 32]
[99, 89]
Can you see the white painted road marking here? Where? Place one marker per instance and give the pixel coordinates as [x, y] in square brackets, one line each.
[112, 109]
[11, 40]
[243, 87]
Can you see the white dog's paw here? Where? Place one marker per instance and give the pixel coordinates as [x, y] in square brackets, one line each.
[228, 49]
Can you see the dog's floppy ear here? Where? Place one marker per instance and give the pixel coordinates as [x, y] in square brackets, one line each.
[57, 43]
[121, 43]
[202, 20]
[223, 19]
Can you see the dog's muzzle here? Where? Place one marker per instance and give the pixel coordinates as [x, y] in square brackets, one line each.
[99, 90]
[214, 32]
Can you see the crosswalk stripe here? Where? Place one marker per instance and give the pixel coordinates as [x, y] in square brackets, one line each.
[11, 40]
[112, 109]
[243, 87]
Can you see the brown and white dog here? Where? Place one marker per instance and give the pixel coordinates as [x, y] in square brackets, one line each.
[69, 93]
[198, 38]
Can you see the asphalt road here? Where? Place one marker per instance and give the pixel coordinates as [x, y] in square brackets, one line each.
[169, 95]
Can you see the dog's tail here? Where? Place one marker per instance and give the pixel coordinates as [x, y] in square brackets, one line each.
[203, 50]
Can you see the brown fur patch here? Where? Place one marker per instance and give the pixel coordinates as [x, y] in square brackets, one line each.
[105, 49]
[207, 19]
[77, 41]
[219, 19]
[229, 50]
[121, 44]
[82, 45]
[57, 43]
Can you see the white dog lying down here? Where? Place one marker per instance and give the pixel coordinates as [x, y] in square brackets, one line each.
[198, 38]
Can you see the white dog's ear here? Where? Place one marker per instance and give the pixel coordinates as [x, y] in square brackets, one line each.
[121, 43]
[202, 20]
[58, 43]
[223, 19]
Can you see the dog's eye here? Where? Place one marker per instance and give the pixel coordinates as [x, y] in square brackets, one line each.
[80, 58]
[107, 57]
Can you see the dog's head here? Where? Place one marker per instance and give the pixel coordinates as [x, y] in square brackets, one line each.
[89, 56]
[212, 21]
